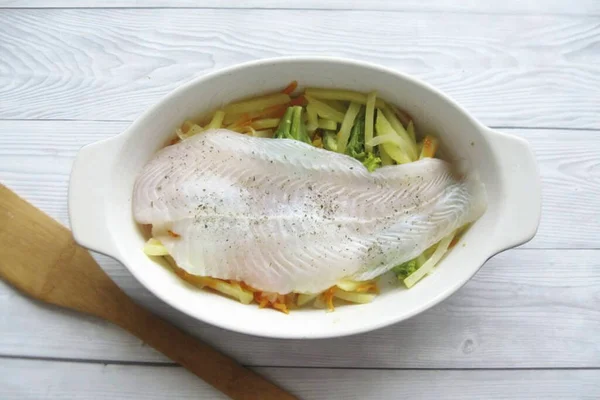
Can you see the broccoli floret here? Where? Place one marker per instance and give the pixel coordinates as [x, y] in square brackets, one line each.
[402, 271]
[285, 125]
[356, 142]
[292, 126]
[330, 140]
[372, 162]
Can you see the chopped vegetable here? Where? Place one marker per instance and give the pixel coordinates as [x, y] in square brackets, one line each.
[289, 89]
[426, 268]
[410, 129]
[285, 125]
[325, 110]
[372, 162]
[338, 105]
[292, 126]
[340, 94]
[154, 247]
[402, 271]
[430, 146]
[267, 133]
[330, 140]
[266, 123]
[356, 142]
[385, 157]
[327, 124]
[312, 118]
[383, 127]
[409, 147]
[217, 120]
[257, 104]
[369, 120]
[298, 101]
[305, 298]
[346, 127]
[353, 297]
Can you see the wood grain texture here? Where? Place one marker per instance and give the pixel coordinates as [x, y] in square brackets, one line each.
[40, 258]
[533, 71]
[525, 309]
[563, 7]
[42, 380]
[36, 158]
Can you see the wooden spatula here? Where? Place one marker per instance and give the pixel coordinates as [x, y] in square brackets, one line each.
[39, 257]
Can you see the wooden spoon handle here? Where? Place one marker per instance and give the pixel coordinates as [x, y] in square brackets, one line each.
[219, 370]
[39, 257]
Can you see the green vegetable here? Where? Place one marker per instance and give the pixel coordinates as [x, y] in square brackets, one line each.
[356, 142]
[285, 125]
[347, 124]
[372, 162]
[330, 140]
[292, 126]
[406, 269]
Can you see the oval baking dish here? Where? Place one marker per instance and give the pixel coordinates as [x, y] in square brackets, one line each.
[103, 176]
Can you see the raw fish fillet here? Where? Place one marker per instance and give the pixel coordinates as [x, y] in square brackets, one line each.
[284, 216]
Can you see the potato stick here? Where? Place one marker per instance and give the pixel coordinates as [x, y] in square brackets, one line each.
[411, 148]
[354, 297]
[266, 123]
[410, 129]
[325, 110]
[217, 120]
[430, 263]
[370, 119]
[327, 124]
[341, 94]
[154, 247]
[305, 298]
[312, 118]
[347, 124]
[257, 104]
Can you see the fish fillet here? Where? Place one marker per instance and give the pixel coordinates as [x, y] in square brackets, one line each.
[284, 216]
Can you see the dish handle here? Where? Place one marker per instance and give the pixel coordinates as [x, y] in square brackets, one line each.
[88, 188]
[519, 174]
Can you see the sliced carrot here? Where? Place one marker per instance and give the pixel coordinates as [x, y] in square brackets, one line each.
[173, 234]
[430, 145]
[263, 303]
[299, 101]
[454, 242]
[328, 298]
[281, 307]
[291, 87]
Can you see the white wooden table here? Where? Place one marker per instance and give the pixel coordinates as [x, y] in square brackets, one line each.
[527, 326]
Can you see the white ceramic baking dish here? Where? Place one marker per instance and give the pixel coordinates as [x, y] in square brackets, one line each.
[103, 176]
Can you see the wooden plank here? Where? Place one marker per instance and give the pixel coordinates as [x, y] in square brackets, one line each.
[47, 380]
[533, 71]
[36, 158]
[525, 309]
[564, 7]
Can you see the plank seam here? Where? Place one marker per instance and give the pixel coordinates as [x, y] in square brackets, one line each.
[171, 364]
[387, 10]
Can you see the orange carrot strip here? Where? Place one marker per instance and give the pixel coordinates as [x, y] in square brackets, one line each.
[281, 307]
[173, 234]
[291, 87]
[328, 297]
[299, 101]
